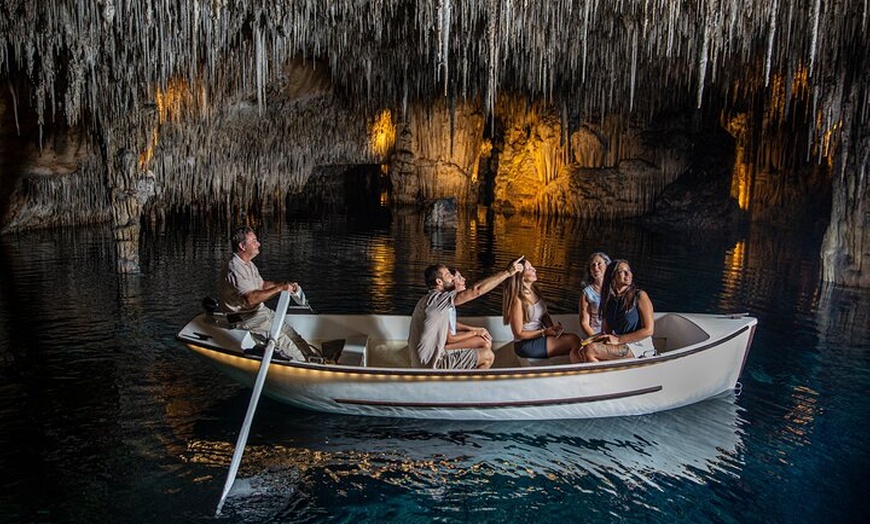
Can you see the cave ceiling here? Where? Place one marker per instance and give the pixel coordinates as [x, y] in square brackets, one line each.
[77, 61]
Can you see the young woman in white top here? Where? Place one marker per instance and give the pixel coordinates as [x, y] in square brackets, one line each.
[590, 297]
[524, 309]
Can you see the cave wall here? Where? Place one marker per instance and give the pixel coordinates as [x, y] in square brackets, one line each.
[845, 250]
[194, 103]
[49, 176]
[187, 156]
[437, 153]
[601, 170]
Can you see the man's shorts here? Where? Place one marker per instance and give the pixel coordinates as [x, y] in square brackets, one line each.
[458, 359]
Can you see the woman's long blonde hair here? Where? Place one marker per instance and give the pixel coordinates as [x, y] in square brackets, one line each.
[513, 288]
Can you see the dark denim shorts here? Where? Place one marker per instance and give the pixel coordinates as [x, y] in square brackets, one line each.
[531, 348]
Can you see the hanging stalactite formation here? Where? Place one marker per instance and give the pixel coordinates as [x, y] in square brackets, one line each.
[208, 96]
[106, 59]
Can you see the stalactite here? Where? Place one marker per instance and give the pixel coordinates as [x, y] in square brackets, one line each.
[770, 39]
[817, 5]
[102, 63]
[14, 107]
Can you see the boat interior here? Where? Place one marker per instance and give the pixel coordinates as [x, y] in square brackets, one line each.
[377, 349]
[672, 331]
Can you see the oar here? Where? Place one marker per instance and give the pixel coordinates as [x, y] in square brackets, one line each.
[255, 397]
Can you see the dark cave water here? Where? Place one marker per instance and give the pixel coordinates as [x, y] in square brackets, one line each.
[106, 418]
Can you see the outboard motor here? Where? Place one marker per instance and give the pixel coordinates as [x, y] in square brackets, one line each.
[210, 305]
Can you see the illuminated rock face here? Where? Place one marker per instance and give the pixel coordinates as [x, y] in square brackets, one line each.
[437, 154]
[602, 171]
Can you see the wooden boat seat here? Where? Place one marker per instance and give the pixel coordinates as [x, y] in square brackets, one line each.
[354, 351]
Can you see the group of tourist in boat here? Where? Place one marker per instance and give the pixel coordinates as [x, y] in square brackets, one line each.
[615, 315]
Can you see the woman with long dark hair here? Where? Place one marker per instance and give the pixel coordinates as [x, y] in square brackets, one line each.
[626, 317]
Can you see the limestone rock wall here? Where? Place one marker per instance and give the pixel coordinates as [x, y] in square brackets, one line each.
[846, 245]
[600, 171]
[437, 154]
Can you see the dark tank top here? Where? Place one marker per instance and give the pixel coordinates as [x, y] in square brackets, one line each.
[622, 322]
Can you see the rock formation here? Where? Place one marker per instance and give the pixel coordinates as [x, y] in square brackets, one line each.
[121, 110]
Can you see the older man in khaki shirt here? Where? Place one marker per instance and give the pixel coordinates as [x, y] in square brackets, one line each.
[243, 292]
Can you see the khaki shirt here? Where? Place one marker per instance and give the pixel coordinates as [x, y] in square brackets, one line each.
[429, 324]
[237, 278]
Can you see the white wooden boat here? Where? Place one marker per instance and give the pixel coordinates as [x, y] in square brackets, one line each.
[698, 356]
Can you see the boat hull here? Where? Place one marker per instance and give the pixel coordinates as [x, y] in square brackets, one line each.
[674, 378]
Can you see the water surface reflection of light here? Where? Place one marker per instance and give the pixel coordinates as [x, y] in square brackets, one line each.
[426, 458]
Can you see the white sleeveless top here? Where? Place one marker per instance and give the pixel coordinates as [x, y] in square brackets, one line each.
[536, 313]
[594, 300]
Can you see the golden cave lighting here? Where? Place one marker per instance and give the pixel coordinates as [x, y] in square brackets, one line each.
[172, 103]
[828, 143]
[176, 100]
[383, 260]
[383, 135]
[548, 160]
[485, 148]
[800, 82]
[735, 259]
[741, 179]
[146, 155]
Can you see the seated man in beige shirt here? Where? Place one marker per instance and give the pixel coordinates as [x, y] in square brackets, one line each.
[243, 293]
[431, 320]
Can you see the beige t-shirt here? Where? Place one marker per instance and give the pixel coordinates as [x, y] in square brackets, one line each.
[429, 323]
[236, 279]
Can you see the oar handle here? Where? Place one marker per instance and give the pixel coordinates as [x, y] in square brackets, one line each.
[280, 313]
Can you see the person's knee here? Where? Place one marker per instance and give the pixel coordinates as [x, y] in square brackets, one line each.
[593, 352]
[485, 358]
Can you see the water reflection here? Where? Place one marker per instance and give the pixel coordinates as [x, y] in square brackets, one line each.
[99, 399]
[358, 453]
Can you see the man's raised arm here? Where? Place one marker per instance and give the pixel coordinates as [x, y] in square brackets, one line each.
[488, 284]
